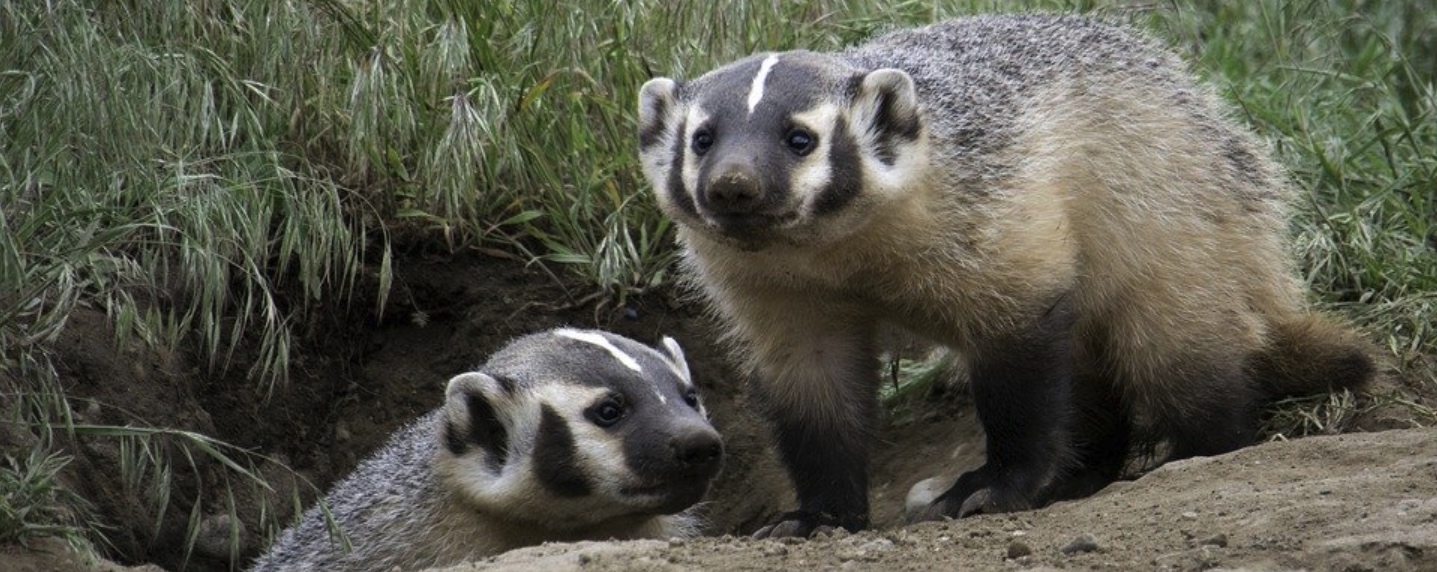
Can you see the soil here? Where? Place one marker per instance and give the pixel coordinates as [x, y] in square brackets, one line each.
[1347, 502]
[1361, 501]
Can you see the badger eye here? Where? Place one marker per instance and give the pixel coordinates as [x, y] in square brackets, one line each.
[691, 397]
[800, 141]
[607, 412]
[703, 139]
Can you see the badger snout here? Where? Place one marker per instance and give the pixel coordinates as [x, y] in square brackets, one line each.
[734, 189]
[698, 451]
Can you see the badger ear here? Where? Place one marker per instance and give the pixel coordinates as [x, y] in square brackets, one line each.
[657, 100]
[473, 404]
[885, 112]
[676, 356]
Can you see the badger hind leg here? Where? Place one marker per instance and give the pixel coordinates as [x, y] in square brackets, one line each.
[1216, 401]
[1213, 409]
[1021, 387]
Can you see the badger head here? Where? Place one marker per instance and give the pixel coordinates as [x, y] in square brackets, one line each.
[795, 147]
[575, 428]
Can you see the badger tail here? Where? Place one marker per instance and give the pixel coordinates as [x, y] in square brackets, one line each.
[1308, 355]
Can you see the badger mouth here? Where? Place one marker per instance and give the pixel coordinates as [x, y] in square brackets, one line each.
[667, 498]
[750, 228]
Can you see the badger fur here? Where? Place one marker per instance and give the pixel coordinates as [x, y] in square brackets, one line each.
[1053, 197]
[563, 435]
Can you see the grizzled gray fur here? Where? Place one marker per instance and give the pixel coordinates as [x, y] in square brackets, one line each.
[563, 435]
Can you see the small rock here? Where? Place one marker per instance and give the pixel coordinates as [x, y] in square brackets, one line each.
[921, 494]
[1219, 540]
[1190, 515]
[1083, 543]
[1018, 549]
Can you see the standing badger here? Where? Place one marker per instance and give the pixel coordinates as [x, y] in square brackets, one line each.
[1053, 197]
[564, 435]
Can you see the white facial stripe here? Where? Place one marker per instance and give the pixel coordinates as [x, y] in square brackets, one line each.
[696, 117]
[569, 395]
[755, 91]
[603, 342]
[815, 173]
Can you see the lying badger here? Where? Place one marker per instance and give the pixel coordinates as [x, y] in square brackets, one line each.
[561, 436]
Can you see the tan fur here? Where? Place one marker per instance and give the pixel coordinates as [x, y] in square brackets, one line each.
[1127, 214]
[1110, 185]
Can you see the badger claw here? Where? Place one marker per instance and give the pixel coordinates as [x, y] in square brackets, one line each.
[972, 494]
[804, 524]
[976, 503]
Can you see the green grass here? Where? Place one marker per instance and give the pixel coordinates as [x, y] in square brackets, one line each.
[210, 174]
[34, 504]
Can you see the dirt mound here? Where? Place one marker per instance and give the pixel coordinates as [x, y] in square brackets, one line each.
[1365, 499]
[1347, 502]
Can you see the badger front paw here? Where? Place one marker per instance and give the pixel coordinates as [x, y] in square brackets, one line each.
[803, 524]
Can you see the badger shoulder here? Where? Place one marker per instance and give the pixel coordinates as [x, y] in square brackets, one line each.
[387, 494]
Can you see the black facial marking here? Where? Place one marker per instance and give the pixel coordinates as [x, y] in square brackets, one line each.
[766, 144]
[678, 195]
[846, 179]
[554, 457]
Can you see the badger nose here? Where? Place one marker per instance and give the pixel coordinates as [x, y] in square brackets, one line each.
[697, 450]
[734, 189]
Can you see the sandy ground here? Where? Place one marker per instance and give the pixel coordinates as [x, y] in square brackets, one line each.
[1355, 502]
[1349, 502]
